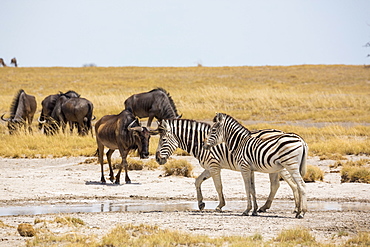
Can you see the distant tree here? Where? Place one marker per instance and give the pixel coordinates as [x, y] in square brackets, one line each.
[89, 65]
[368, 45]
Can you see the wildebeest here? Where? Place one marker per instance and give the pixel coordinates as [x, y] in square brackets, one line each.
[73, 110]
[48, 105]
[122, 132]
[155, 103]
[2, 62]
[14, 61]
[22, 111]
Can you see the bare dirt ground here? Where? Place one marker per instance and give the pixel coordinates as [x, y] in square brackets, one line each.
[34, 182]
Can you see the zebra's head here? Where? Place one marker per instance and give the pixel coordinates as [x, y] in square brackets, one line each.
[167, 142]
[216, 133]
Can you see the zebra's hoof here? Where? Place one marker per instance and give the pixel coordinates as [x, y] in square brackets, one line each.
[201, 206]
[299, 216]
[245, 213]
[254, 213]
[218, 210]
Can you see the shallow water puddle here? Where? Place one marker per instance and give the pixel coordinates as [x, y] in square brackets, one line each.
[149, 205]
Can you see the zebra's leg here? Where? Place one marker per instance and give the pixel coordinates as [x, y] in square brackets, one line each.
[253, 193]
[246, 174]
[274, 186]
[302, 199]
[288, 178]
[216, 177]
[198, 182]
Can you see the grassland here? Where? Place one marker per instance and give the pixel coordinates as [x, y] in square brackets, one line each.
[328, 105]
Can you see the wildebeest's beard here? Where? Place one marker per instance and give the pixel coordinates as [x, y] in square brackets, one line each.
[142, 142]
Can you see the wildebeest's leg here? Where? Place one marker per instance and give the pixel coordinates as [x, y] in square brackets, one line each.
[198, 182]
[124, 154]
[100, 157]
[216, 177]
[109, 156]
[30, 118]
[274, 186]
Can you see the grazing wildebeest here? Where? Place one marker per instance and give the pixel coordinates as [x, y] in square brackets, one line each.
[79, 111]
[155, 103]
[48, 104]
[122, 132]
[14, 61]
[2, 62]
[22, 111]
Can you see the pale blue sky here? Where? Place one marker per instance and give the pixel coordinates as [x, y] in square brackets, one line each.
[183, 33]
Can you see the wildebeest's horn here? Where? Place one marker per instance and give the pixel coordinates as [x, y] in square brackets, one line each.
[6, 120]
[137, 128]
[41, 122]
[93, 118]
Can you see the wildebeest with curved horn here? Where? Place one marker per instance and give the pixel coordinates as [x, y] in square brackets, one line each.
[155, 103]
[73, 110]
[22, 111]
[45, 120]
[122, 132]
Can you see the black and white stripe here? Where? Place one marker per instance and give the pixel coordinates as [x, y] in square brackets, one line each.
[269, 155]
[189, 135]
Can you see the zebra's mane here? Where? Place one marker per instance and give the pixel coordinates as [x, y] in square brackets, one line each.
[172, 103]
[15, 103]
[230, 118]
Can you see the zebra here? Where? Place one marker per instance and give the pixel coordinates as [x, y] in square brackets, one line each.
[269, 155]
[189, 135]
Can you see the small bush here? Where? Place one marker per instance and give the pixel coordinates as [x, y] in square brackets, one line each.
[135, 164]
[313, 174]
[356, 171]
[298, 235]
[361, 239]
[69, 221]
[178, 168]
[151, 164]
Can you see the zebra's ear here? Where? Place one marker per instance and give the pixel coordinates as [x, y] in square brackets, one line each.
[219, 117]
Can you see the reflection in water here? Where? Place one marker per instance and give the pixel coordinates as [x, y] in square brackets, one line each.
[148, 205]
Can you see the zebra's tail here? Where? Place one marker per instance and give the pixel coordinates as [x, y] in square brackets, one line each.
[303, 167]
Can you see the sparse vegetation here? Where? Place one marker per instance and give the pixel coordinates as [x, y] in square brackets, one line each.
[278, 96]
[355, 171]
[147, 235]
[313, 174]
[178, 168]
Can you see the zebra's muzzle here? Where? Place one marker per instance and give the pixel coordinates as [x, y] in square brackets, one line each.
[160, 160]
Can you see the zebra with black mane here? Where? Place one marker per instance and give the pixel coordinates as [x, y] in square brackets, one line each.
[189, 135]
[269, 155]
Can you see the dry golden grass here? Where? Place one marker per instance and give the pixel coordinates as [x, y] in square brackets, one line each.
[313, 174]
[178, 168]
[276, 95]
[355, 171]
[146, 235]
